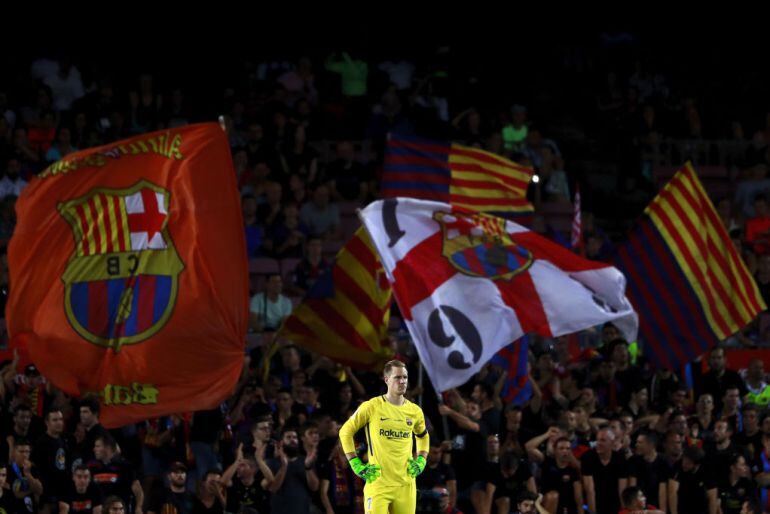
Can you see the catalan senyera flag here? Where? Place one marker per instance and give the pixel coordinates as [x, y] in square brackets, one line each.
[455, 174]
[345, 314]
[129, 274]
[685, 278]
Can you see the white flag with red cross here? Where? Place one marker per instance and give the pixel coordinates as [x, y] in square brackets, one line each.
[469, 284]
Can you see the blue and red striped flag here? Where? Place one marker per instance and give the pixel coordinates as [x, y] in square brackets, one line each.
[459, 175]
[517, 388]
[685, 279]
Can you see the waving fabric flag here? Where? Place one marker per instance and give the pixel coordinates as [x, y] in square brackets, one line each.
[517, 388]
[691, 288]
[469, 284]
[129, 274]
[345, 314]
[459, 175]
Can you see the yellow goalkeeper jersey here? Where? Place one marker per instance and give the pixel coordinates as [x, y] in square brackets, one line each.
[389, 430]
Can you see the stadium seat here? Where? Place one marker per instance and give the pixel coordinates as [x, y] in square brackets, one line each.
[349, 225]
[332, 247]
[288, 265]
[264, 266]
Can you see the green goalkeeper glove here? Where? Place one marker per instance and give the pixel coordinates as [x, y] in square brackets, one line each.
[415, 466]
[369, 472]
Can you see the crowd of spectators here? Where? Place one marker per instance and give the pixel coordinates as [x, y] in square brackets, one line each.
[603, 431]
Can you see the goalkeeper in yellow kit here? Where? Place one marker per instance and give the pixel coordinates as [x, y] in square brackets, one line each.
[389, 422]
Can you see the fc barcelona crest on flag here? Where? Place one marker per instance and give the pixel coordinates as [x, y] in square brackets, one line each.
[121, 281]
[479, 246]
[130, 274]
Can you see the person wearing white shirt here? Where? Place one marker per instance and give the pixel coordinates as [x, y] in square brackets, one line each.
[66, 86]
[12, 183]
[270, 308]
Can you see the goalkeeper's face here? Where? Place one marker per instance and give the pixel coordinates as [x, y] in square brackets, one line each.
[397, 381]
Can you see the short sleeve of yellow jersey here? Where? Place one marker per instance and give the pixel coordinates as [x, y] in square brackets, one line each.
[421, 431]
[389, 433]
[357, 421]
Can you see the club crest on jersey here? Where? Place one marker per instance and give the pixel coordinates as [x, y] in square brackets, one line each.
[408, 422]
[121, 280]
[480, 246]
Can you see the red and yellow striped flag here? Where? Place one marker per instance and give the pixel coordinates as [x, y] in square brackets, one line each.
[685, 277]
[460, 175]
[345, 315]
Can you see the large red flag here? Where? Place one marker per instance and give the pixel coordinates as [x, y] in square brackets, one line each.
[129, 276]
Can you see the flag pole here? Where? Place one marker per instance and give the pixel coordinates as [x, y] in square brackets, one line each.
[419, 382]
[578, 243]
[444, 422]
[270, 348]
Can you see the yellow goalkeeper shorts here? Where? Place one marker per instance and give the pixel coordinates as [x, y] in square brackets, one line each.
[390, 499]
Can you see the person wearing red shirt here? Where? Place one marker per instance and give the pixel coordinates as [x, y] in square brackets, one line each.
[758, 227]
